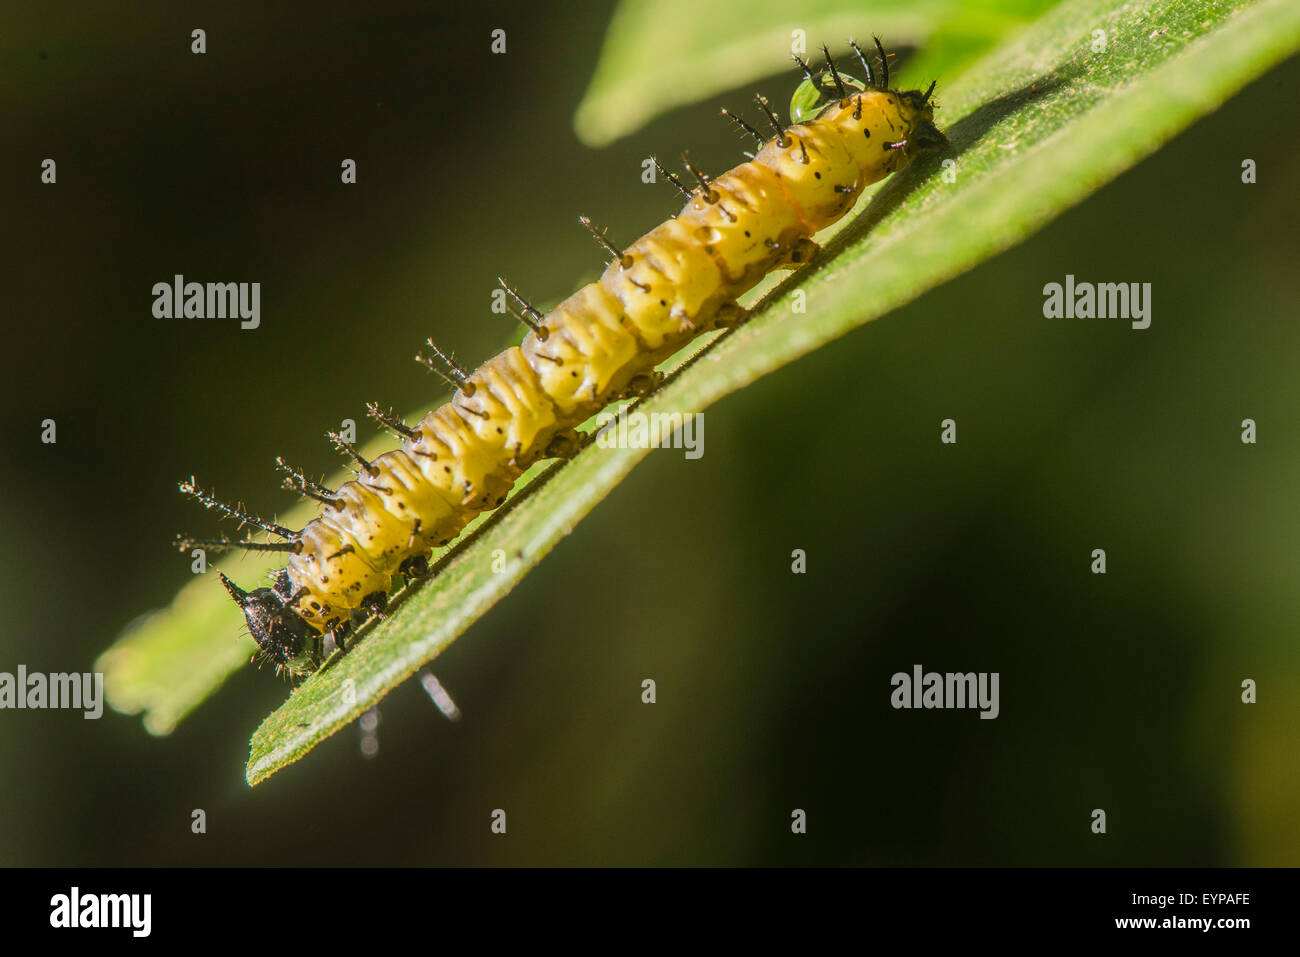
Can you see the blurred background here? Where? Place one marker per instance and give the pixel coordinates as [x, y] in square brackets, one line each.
[1119, 692]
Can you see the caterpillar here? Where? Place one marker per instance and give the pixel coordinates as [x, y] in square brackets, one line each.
[601, 344]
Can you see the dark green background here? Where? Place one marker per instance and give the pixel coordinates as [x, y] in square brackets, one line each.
[1119, 692]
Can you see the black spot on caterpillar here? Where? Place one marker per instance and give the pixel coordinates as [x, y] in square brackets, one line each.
[602, 343]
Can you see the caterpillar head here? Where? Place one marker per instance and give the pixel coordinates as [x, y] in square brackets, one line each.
[828, 90]
[285, 639]
[916, 107]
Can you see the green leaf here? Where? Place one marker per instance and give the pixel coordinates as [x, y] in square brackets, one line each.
[168, 662]
[1036, 129]
[634, 81]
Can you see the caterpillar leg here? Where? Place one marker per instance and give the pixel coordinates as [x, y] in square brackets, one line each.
[375, 605]
[803, 251]
[335, 640]
[417, 566]
[730, 314]
[642, 384]
[564, 445]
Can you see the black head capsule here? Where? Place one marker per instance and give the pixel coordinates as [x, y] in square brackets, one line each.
[928, 138]
[918, 99]
[285, 639]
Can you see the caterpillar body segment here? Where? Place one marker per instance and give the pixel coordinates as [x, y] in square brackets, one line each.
[603, 342]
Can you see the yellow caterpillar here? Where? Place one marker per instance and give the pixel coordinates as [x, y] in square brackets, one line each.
[603, 342]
